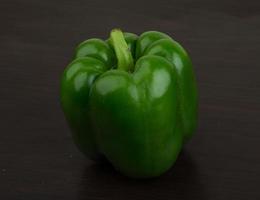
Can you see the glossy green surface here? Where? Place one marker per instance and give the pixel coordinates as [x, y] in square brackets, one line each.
[138, 120]
[173, 52]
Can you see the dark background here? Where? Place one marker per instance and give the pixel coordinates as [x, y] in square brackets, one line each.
[37, 157]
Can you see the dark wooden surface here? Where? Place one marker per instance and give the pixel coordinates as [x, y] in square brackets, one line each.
[37, 157]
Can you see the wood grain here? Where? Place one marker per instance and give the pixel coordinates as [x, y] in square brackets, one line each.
[37, 157]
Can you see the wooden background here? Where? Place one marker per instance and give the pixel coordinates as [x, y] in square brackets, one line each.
[37, 157]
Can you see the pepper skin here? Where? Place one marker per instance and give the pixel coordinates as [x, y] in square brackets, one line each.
[132, 100]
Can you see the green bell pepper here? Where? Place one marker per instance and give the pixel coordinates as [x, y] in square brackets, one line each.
[132, 100]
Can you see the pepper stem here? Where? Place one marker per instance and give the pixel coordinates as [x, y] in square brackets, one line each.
[124, 57]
